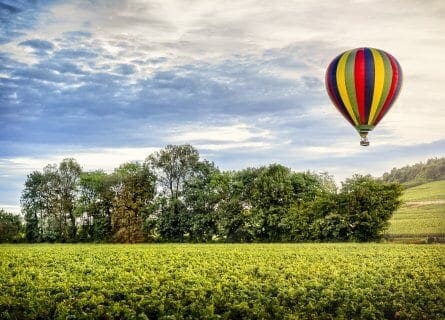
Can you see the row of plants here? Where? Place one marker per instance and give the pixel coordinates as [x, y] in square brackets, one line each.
[222, 281]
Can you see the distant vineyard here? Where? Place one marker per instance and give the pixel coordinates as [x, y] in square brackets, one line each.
[422, 213]
[256, 281]
[432, 191]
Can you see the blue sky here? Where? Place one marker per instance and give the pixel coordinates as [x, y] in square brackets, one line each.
[107, 82]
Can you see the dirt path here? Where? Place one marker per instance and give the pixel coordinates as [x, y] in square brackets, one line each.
[423, 203]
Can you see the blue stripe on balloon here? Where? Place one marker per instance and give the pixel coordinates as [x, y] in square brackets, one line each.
[332, 77]
[369, 81]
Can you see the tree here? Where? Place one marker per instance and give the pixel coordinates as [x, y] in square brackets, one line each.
[201, 192]
[236, 220]
[173, 166]
[272, 197]
[32, 201]
[324, 219]
[41, 205]
[49, 202]
[172, 221]
[10, 227]
[367, 204]
[313, 197]
[95, 205]
[359, 212]
[134, 192]
[307, 186]
[52, 221]
[69, 176]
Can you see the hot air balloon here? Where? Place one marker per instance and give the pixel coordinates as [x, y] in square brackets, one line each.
[363, 84]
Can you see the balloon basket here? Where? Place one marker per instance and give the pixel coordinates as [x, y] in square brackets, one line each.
[364, 142]
[363, 132]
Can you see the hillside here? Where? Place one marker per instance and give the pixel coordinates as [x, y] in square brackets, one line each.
[419, 173]
[426, 192]
[423, 211]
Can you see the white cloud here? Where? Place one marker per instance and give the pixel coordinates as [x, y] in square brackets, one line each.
[90, 159]
[232, 146]
[232, 133]
[10, 208]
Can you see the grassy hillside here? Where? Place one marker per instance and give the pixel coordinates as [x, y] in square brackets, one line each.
[423, 211]
[426, 192]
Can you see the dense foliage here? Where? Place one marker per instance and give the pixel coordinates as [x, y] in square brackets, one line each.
[242, 281]
[10, 227]
[419, 173]
[49, 202]
[175, 196]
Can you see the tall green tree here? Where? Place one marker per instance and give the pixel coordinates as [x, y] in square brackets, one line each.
[49, 202]
[42, 206]
[95, 205]
[272, 197]
[202, 193]
[69, 177]
[53, 227]
[173, 165]
[236, 222]
[33, 206]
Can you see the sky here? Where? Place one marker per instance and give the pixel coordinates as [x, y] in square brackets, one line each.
[106, 82]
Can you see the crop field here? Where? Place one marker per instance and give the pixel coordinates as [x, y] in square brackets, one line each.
[428, 191]
[423, 211]
[222, 281]
[419, 219]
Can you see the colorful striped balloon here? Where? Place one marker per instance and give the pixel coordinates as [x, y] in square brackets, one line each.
[363, 84]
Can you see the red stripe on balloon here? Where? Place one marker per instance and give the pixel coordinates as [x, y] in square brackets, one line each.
[392, 91]
[360, 81]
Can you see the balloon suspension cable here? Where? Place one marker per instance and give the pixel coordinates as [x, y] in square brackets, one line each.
[364, 141]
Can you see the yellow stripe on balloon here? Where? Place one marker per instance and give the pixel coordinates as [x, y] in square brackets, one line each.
[386, 83]
[341, 84]
[379, 79]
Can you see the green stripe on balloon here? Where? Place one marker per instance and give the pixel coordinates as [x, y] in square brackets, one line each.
[350, 83]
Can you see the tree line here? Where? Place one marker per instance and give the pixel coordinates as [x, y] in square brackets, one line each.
[419, 173]
[176, 196]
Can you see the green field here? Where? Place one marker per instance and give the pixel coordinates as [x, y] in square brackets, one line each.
[423, 211]
[428, 191]
[418, 220]
[222, 281]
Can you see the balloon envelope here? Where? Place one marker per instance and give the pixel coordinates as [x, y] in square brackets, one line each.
[363, 84]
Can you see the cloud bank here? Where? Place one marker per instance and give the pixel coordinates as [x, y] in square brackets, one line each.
[108, 81]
